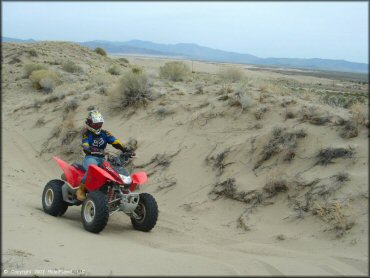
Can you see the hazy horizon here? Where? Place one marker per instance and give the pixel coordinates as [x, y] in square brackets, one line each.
[326, 30]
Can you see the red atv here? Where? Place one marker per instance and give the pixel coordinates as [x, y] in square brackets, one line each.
[109, 189]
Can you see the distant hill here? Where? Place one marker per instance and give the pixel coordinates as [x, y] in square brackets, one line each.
[197, 52]
[6, 39]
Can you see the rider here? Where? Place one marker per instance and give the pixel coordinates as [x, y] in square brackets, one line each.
[94, 141]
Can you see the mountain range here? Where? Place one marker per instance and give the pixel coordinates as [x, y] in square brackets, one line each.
[196, 52]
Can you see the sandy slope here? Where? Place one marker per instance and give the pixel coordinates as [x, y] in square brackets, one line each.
[194, 235]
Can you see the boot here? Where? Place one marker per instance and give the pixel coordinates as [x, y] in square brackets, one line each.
[81, 192]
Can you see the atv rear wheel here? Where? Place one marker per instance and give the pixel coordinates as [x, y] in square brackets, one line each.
[146, 212]
[95, 212]
[52, 198]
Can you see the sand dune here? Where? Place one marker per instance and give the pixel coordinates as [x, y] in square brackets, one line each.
[223, 209]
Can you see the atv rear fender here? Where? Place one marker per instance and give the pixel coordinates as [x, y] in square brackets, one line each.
[73, 175]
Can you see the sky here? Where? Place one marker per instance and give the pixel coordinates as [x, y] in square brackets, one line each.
[329, 30]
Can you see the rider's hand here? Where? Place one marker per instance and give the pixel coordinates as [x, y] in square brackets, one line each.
[96, 150]
[129, 151]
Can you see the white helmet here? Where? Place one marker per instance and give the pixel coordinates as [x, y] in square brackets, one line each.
[94, 121]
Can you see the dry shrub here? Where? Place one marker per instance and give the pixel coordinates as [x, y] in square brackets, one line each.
[65, 139]
[231, 74]
[226, 188]
[115, 70]
[32, 53]
[71, 104]
[289, 114]
[30, 68]
[276, 182]
[325, 156]
[174, 71]
[258, 114]
[359, 113]
[242, 98]
[313, 115]
[280, 141]
[218, 161]
[100, 51]
[71, 67]
[132, 89]
[40, 122]
[45, 80]
[334, 214]
[162, 112]
[349, 129]
[158, 162]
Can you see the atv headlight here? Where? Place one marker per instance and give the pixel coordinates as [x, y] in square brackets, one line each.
[126, 179]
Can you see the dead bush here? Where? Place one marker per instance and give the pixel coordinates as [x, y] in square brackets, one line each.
[258, 114]
[349, 129]
[280, 141]
[40, 122]
[242, 98]
[71, 104]
[333, 213]
[174, 71]
[359, 113]
[313, 115]
[289, 114]
[226, 188]
[132, 89]
[231, 74]
[326, 156]
[162, 112]
[45, 80]
[218, 161]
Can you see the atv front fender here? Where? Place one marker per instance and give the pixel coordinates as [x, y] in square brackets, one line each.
[97, 177]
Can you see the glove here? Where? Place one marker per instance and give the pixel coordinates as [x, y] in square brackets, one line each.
[96, 150]
[129, 152]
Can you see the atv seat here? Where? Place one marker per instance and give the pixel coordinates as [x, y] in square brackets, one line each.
[78, 166]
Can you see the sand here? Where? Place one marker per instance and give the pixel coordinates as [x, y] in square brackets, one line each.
[198, 232]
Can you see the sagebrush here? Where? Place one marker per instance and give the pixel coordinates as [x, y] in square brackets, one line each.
[174, 71]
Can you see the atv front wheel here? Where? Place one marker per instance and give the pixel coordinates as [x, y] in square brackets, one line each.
[95, 212]
[52, 198]
[146, 213]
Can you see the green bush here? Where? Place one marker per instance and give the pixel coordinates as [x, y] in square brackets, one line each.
[132, 89]
[29, 68]
[71, 67]
[123, 60]
[115, 70]
[32, 52]
[100, 51]
[44, 79]
[174, 71]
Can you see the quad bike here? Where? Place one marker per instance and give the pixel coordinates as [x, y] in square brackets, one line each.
[109, 188]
